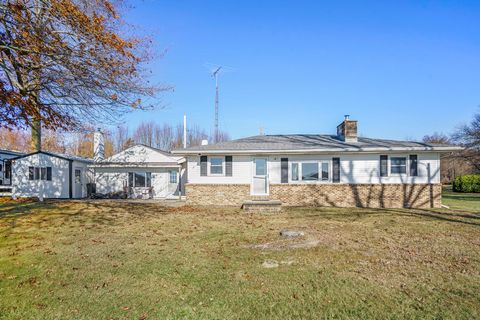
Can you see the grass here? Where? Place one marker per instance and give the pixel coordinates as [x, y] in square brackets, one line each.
[111, 260]
[461, 201]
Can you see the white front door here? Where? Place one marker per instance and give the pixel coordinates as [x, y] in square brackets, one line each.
[78, 178]
[260, 177]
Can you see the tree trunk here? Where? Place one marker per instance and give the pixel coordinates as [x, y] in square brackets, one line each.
[36, 144]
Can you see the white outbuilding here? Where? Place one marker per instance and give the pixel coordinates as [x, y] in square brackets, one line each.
[50, 175]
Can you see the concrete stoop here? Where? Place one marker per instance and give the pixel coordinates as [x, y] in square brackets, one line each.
[262, 206]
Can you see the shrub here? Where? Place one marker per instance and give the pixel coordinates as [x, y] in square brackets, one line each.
[467, 183]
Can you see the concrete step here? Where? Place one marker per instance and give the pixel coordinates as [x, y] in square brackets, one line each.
[262, 206]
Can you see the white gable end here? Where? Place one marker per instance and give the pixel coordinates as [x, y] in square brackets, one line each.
[141, 154]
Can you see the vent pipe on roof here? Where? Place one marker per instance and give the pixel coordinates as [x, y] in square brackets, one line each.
[98, 146]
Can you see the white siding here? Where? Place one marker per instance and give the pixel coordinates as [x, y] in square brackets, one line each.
[355, 168]
[115, 179]
[241, 168]
[58, 187]
[139, 154]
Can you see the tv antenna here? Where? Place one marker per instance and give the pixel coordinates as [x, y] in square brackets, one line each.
[215, 75]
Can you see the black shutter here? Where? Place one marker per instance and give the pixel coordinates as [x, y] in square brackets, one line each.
[413, 165]
[203, 165]
[228, 166]
[49, 173]
[130, 179]
[336, 170]
[284, 169]
[383, 166]
[30, 173]
[149, 179]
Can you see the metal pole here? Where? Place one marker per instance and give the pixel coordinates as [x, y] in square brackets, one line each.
[215, 74]
[185, 130]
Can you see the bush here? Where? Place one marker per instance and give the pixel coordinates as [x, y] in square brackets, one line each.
[467, 183]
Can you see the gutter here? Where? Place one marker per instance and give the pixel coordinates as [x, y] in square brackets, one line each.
[136, 165]
[318, 151]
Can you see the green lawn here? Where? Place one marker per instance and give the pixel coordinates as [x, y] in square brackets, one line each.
[461, 201]
[110, 260]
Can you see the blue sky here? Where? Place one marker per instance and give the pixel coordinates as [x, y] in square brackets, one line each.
[403, 69]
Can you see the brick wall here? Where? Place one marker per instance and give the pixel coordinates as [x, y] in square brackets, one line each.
[338, 195]
[217, 194]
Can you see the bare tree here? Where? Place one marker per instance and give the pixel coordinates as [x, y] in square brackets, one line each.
[469, 137]
[144, 133]
[164, 137]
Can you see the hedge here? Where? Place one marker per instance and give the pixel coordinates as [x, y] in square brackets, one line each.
[467, 183]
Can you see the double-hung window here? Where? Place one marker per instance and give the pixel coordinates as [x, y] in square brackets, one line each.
[398, 165]
[216, 165]
[140, 179]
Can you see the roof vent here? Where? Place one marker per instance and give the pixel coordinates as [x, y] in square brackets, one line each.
[204, 142]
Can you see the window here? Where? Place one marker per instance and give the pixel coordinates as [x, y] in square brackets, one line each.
[398, 165]
[260, 167]
[78, 175]
[173, 176]
[309, 171]
[216, 165]
[324, 171]
[40, 173]
[140, 179]
[294, 171]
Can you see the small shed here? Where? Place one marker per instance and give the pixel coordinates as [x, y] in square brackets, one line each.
[50, 175]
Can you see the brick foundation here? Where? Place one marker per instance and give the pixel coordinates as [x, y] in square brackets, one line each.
[335, 195]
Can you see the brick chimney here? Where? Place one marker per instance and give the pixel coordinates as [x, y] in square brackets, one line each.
[98, 146]
[347, 130]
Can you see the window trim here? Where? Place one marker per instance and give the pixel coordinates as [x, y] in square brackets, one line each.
[319, 163]
[147, 175]
[170, 176]
[35, 173]
[209, 159]
[394, 174]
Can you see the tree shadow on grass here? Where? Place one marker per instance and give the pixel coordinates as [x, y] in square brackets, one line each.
[81, 213]
[354, 214]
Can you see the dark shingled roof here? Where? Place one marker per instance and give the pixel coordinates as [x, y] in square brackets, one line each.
[312, 142]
